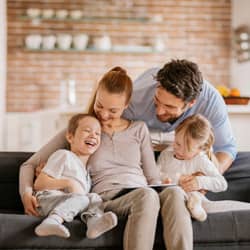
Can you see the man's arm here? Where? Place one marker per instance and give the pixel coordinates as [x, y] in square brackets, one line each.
[225, 161]
[216, 112]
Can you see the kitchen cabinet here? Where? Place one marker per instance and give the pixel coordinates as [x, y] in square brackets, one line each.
[239, 116]
[30, 131]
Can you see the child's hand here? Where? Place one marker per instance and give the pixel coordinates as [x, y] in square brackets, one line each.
[166, 181]
[74, 187]
[203, 191]
[189, 183]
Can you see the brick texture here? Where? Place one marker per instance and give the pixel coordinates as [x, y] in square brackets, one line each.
[198, 30]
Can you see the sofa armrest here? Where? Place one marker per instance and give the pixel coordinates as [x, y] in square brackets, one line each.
[10, 163]
[238, 177]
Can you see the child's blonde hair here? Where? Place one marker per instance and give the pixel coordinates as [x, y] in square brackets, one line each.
[198, 128]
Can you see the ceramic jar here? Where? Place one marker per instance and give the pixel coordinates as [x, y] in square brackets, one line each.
[48, 13]
[61, 14]
[102, 43]
[33, 41]
[48, 42]
[64, 41]
[80, 41]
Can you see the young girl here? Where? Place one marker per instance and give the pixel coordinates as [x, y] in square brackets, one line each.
[62, 187]
[192, 165]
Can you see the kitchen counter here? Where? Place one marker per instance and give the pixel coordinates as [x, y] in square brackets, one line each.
[239, 116]
[28, 131]
[238, 109]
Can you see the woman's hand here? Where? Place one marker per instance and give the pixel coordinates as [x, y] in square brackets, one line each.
[39, 168]
[30, 204]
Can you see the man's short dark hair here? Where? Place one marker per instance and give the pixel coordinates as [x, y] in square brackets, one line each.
[181, 78]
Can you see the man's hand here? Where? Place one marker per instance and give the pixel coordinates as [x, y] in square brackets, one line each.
[30, 204]
[159, 147]
[189, 183]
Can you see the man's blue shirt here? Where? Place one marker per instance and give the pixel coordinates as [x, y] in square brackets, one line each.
[209, 104]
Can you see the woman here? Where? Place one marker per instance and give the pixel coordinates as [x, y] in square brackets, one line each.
[124, 159]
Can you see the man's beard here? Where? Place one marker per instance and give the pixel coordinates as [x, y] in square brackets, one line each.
[170, 119]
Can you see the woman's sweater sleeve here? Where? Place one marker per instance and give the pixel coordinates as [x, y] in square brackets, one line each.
[27, 169]
[151, 171]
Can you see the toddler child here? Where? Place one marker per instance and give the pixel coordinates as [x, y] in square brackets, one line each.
[192, 165]
[63, 185]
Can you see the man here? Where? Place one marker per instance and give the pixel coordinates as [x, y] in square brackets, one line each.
[165, 97]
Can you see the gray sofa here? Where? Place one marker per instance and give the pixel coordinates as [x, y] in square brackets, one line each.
[220, 231]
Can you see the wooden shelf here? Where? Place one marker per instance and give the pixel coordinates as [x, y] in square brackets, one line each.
[147, 50]
[91, 19]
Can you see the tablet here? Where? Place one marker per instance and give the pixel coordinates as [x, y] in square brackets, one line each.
[157, 187]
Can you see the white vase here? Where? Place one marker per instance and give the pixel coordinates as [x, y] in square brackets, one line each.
[61, 14]
[48, 13]
[76, 14]
[33, 13]
[80, 41]
[64, 41]
[48, 42]
[159, 45]
[103, 43]
[33, 41]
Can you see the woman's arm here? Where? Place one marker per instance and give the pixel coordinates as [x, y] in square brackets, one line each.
[46, 182]
[151, 171]
[27, 170]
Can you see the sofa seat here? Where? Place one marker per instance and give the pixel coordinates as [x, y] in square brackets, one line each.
[220, 230]
[17, 232]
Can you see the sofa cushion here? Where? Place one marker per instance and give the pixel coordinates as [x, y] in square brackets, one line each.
[17, 232]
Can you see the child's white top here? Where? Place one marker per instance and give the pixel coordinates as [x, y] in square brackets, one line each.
[64, 164]
[173, 168]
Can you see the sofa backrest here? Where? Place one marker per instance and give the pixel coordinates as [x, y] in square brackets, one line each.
[238, 177]
[10, 163]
